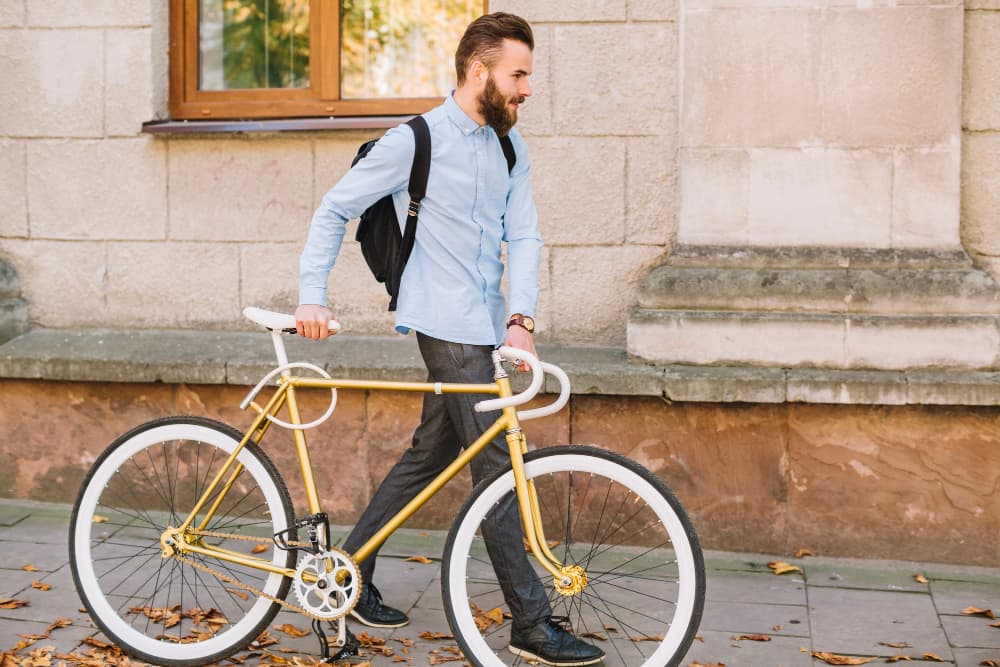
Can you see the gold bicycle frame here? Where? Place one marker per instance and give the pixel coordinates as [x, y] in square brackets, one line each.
[180, 539]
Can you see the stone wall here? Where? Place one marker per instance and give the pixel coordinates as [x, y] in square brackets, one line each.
[109, 227]
[981, 134]
[905, 482]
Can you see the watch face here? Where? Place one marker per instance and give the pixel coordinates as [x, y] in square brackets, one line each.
[528, 324]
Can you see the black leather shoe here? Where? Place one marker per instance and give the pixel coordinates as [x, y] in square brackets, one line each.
[551, 643]
[370, 610]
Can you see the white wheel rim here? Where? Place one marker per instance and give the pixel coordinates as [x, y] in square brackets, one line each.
[82, 534]
[458, 590]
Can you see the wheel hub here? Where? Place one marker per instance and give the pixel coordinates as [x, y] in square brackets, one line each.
[574, 580]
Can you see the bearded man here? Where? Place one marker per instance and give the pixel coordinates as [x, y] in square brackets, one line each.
[450, 296]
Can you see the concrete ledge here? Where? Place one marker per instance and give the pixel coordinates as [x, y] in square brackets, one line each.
[242, 358]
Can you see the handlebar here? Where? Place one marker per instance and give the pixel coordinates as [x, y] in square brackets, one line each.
[538, 370]
[279, 321]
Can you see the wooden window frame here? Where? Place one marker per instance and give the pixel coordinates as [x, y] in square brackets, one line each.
[320, 99]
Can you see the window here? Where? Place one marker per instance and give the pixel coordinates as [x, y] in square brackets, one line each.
[299, 58]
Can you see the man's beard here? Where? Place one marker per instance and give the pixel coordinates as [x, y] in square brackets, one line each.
[493, 108]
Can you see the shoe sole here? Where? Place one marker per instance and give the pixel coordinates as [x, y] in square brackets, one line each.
[562, 663]
[358, 617]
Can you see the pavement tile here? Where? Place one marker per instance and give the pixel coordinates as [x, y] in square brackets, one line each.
[720, 647]
[64, 640]
[887, 577]
[860, 622]
[951, 597]
[755, 587]
[971, 632]
[47, 558]
[975, 657]
[751, 618]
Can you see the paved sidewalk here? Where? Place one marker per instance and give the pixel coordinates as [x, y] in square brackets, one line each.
[845, 607]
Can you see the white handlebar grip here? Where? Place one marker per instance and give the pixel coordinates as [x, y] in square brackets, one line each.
[513, 354]
[559, 403]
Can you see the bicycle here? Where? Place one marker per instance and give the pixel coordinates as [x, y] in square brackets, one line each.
[184, 544]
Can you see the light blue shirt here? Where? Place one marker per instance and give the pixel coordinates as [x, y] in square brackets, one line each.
[451, 285]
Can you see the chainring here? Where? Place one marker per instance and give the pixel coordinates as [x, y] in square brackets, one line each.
[336, 588]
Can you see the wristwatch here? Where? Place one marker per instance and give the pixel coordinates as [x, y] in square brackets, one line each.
[522, 321]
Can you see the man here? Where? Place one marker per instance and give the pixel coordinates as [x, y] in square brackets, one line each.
[450, 296]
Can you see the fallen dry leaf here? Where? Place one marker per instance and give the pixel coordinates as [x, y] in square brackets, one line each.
[897, 658]
[420, 559]
[647, 638]
[895, 644]
[752, 638]
[802, 553]
[776, 628]
[976, 611]
[30, 568]
[701, 664]
[259, 549]
[291, 630]
[932, 657]
[100, 519]
[835, 659]
[919, 578]
[58, 623]
[40, 586]
[995, 625]
[241, 594]
[783, 568]
[594, 635]
[989, 662]
[427, 634]
[11, 603]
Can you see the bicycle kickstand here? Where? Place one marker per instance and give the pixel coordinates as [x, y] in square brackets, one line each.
[346, 645]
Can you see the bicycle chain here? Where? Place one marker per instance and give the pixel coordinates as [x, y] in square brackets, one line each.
[239, 584]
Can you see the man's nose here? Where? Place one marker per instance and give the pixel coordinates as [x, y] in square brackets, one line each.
[524, 89]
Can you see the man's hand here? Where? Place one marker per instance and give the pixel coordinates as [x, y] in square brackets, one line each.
[313, 321]
[519, 337]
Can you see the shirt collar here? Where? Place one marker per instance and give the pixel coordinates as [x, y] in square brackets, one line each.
[459, 117]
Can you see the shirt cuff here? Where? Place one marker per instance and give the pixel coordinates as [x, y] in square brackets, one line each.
[312, 295]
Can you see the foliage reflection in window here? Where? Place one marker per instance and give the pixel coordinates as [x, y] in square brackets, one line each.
[401, 48]
[253, 44]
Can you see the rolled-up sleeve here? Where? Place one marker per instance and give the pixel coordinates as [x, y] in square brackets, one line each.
[385, 170]
[524, 241]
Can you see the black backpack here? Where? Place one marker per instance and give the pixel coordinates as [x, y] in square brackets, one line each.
[384, 248]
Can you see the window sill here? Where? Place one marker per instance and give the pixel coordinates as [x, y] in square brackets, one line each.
[273, 125]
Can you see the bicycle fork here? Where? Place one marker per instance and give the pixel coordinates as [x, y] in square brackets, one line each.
[567, 579]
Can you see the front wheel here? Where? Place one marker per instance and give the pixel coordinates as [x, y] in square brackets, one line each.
[645, 574]
[157, 608]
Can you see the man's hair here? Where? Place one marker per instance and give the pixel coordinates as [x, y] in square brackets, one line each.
[484, 37]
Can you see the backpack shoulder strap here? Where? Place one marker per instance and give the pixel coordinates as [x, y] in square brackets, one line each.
[421, 158]
[419, 172]
[508, 152]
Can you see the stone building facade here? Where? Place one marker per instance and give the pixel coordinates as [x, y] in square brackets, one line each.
[771, 256]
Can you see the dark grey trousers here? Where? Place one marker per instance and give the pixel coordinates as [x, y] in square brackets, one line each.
[449, 423]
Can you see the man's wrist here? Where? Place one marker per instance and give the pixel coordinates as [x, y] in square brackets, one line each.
[526, 322]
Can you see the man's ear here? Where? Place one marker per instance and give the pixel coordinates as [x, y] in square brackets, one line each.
[478, 72]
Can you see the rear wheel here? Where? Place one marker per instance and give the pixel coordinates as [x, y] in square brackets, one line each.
[160, 609]
[645, 587]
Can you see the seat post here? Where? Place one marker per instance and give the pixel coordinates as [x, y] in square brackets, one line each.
[279, 350]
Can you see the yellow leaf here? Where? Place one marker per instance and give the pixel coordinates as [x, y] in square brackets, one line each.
[258, 549]
[783, 568]
[420, 559]
[58, 623]
[834, 659]
[933, 657]
[100, 519]
[11, 603]
[427, 634]
[30, 568]
[976, 611]
[291, 630]
[919, 578]
[752, 638]
[495, 615]
[40, 586]
[802, 553]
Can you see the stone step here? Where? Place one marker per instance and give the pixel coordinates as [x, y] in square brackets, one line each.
[811, 340]
[883, 291]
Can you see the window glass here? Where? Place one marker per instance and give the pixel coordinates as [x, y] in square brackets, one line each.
[253, 44]
[401, 48]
